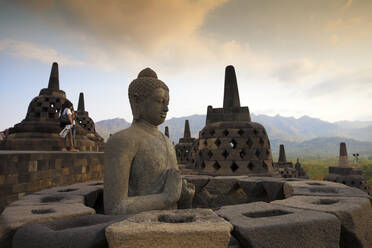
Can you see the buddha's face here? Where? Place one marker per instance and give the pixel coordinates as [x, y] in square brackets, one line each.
[155, 107]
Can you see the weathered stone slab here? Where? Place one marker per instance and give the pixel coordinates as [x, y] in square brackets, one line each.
[92, 192]
[221, 191]
[14, 217]
[200, 181]
[262, 224]
[321, 188]
[265, 189]
[170, 228]
[79, 232]
[74, 189]
[354, 213]
[35, 199]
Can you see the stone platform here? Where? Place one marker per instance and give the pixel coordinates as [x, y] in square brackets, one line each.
[264, 212]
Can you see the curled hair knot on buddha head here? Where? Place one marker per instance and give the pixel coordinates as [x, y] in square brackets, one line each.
[142, 87]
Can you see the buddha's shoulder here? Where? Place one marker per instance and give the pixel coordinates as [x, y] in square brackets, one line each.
[124, 136]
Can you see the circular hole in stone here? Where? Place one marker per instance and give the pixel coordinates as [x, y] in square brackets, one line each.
[325, 202]
[42, 211]
[55, 198]
[67, 190]
[176, 218]
[316, 184]
[95, 184]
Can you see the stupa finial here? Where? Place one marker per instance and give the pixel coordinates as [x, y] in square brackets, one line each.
[231, 94]
[282, 158]
[54, 77]
[187, 133]
[166, 132]
[343, 160]
[81, 104]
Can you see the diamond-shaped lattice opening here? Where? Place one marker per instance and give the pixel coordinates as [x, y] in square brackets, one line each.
[212, 132]
[249, 143]
[242, 154]
[218, 142]
[233, 144]
[257, 153]
[210, 154]
[240, 132]
[225, 132]
[261, 141]
[250, 166]
[234, 167]
[255, 131]
[203, 165]
[216, 166]
[225, 154]
[264, 165]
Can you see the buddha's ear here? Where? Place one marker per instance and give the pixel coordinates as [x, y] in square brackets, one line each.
[137, 98]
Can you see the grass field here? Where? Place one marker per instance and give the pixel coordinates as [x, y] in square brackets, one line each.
[316, 169]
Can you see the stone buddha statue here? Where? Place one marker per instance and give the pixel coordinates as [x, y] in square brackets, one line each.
[141, 171]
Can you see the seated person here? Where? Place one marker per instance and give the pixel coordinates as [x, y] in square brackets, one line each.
[141, 171]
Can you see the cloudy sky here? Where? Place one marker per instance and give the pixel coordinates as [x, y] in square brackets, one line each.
[293, 58]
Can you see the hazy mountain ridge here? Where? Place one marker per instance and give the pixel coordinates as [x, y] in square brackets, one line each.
[301, 136]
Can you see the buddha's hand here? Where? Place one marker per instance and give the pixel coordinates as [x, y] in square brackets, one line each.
[173, 186]
[187, 195]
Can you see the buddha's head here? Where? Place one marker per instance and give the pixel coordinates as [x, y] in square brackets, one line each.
[149, 98]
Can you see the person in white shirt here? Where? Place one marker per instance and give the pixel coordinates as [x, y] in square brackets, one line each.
[66, 122]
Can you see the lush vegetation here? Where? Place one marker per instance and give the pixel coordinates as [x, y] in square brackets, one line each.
[316, 169]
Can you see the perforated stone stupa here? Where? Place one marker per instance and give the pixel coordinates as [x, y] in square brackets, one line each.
[344, 173]
[286, 169]
[230, 143]
[83, 119]
[185, 146]
[40, 129]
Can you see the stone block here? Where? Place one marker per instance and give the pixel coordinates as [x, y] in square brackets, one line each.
[91, 191]
[265, 189]
[321, 188]
[199, 181]
[32, 166]
[170, 228]
[35, 199]
[14, 217]
[220, 191]
[79, 232]
[2, 179]
[263, 224]
[355, 215]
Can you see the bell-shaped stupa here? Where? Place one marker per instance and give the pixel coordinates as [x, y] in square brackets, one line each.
[83, 120]
[230, 143]
[185, 146]
[40, 129]
[345, 174]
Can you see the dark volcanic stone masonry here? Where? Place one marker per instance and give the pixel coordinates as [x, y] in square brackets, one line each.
[230, 143]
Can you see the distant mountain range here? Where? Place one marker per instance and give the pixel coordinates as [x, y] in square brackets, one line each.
[303, 136]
